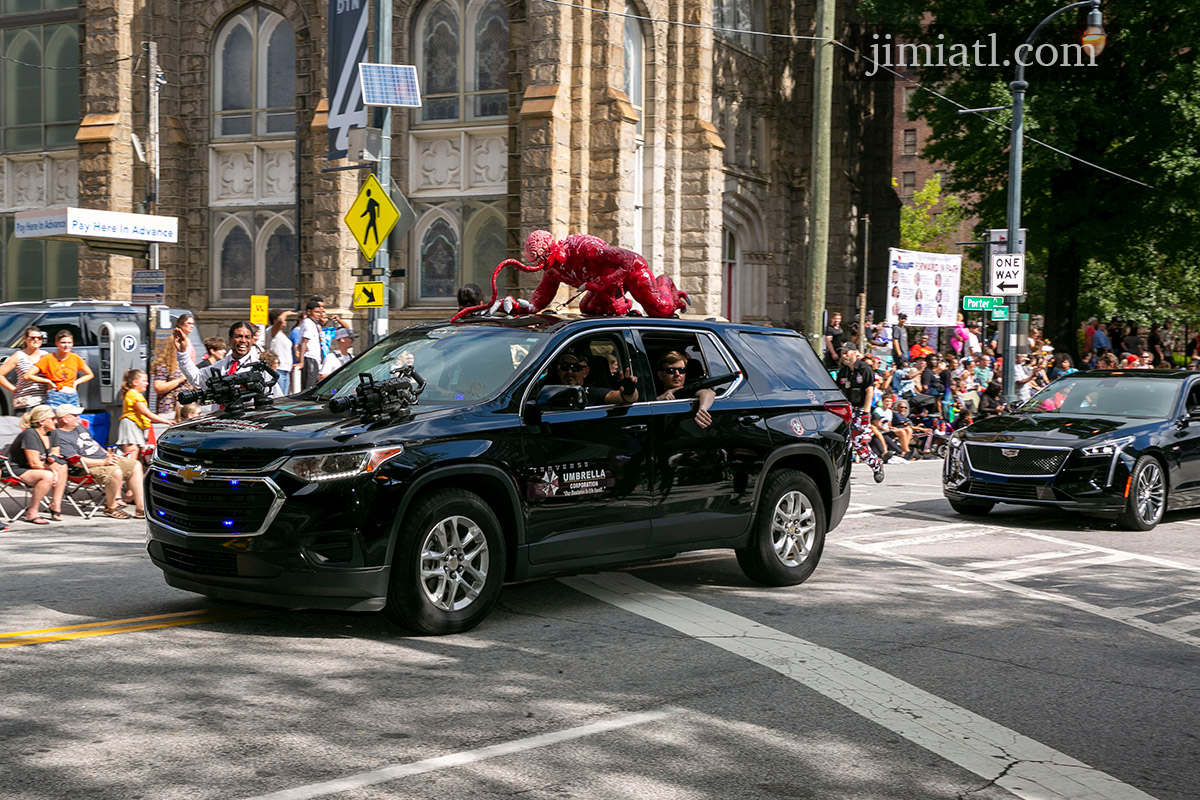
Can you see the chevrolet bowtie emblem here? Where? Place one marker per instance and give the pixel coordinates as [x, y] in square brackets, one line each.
[191, 473]
[1009, 453]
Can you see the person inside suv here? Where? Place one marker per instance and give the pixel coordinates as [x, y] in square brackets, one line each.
[672, 374]
[60, 371]
[572, 370]
[27, 393]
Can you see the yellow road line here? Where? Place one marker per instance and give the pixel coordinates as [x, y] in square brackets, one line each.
[90, 629]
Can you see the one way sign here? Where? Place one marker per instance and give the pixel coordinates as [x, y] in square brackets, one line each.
[1008, 274]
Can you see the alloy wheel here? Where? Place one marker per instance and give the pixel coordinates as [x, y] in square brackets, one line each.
[793, 529]
[1149, 493]
[454, 563]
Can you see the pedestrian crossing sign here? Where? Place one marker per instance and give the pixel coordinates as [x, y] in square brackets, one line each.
[372, 217]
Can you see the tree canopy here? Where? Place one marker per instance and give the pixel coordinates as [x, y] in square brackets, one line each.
[1134, 111]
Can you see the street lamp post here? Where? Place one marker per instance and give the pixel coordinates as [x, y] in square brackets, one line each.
[1093, 37]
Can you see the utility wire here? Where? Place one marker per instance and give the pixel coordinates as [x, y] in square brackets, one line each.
[848, 48]
[77, 66]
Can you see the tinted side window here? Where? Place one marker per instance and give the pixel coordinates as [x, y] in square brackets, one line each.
[791, 357]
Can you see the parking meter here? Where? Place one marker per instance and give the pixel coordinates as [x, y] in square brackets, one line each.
[120, 342]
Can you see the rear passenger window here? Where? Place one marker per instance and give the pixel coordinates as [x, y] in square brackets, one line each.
[791, 357]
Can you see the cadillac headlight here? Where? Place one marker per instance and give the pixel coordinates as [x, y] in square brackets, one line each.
[332, 466]
[1108, 448]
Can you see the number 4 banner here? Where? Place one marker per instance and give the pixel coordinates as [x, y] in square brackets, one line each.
[347, 49]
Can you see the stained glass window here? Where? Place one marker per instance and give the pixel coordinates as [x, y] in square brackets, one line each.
[462, 52]
[255, 75]
[439, 261]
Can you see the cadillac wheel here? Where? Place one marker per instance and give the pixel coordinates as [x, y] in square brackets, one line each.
[1147, 496]
[789, 531]
[446, 575]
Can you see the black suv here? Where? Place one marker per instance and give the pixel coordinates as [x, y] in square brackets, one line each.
[82, 318]
[499, 472]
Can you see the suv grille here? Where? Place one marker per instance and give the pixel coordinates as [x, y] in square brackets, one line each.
[212, 506]
[200, 562]
[220, 460]
[1026, 461]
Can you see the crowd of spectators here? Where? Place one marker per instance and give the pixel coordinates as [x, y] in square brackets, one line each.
[923, 393]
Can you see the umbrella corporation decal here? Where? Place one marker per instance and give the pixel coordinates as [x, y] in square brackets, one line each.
[569, 480]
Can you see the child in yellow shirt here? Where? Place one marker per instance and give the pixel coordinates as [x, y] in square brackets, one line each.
[136, 416]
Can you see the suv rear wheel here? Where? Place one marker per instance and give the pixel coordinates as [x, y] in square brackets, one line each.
[789, 531]
[446, 576]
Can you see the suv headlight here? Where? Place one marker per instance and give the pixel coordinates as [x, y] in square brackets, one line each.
[333, 466]
[1108, 448]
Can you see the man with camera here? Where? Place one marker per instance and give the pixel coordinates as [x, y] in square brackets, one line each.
[238, 359]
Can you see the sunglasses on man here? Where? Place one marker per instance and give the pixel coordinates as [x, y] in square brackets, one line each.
[673, 370]
[571, 366]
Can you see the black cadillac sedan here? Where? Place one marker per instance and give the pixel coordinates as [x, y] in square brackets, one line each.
[1116, 443]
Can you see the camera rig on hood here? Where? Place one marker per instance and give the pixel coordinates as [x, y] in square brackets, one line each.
[234, 392]
[374, 401]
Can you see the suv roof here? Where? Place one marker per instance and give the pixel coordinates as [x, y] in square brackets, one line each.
[549, 323]
[61, 302]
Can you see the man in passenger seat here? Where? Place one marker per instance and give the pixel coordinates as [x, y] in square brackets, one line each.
[672, 374]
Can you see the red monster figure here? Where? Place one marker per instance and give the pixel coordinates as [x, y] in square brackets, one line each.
[605, 273]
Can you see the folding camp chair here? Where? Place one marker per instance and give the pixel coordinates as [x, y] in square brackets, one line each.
[11, 488]
[83, 493]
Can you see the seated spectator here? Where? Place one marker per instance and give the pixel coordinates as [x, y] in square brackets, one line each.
[921, 349]
[990, 403]
[34, 458]
[110, 471]
[1108, 361]
[882, 419]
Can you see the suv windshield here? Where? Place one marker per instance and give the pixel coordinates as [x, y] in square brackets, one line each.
[460, 364]
[1109, 397]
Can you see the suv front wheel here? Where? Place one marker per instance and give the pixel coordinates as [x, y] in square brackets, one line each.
[789, 533]
[446, 574]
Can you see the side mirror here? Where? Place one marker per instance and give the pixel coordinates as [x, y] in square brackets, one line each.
[561, 398]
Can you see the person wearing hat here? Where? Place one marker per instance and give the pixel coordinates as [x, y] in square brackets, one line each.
[35, 460]
[343, 340]
[572, 369]
[110, 471]
[27, 393]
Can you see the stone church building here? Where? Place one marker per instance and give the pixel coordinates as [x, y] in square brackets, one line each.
[663, 126]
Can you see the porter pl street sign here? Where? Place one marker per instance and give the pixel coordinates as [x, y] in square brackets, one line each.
[999, 313]
[1008, 274]
[982, 303]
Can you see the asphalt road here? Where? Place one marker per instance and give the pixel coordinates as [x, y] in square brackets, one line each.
[1025, 653]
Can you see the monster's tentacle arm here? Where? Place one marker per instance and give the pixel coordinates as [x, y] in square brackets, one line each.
[508, 262]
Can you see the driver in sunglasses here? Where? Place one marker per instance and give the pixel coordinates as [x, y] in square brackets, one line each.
[572, 368]
[672, 374]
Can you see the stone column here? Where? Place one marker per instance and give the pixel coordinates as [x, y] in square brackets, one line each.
[105, 148]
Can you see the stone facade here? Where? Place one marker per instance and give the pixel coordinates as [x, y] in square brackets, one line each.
[708, 178]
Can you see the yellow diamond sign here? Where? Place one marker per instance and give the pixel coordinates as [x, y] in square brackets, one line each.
[372, 217]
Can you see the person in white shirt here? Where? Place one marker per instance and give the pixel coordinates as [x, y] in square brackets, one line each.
[310, 343]
[279, 343]
[343, 340]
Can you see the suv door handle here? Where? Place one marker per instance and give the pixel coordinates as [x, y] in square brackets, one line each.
[748, 419]
[634, 428]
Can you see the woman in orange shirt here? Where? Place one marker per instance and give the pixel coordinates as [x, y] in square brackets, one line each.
[60, 371]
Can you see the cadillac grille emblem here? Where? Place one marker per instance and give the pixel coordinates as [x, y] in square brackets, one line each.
[1009, 453]
[191, 473]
